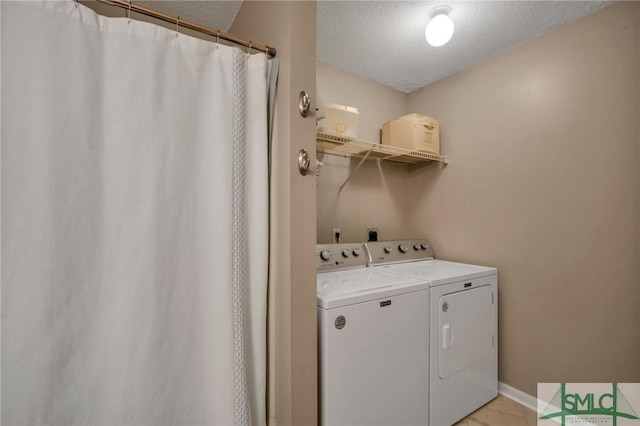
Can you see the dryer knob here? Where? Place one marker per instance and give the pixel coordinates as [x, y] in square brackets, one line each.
[402, 248]
[345, 253]
[416, 247]
[325, 255]
[424, 246]
[356, 252]
[388, 249]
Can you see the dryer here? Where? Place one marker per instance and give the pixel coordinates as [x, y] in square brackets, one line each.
[373, 342]
[463, 355]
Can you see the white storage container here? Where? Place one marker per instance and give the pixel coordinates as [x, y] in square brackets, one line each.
[414, 131]
[341, 120]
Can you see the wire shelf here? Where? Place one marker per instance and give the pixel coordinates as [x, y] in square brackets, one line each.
[348, 147]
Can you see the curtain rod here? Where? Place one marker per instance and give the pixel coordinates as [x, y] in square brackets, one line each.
[132, 7]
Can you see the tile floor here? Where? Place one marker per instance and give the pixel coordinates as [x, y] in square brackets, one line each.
[500, 412]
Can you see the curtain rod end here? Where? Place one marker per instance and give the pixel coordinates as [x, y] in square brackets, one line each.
[271, 52]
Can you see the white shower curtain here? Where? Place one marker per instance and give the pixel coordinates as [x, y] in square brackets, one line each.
[134, 177]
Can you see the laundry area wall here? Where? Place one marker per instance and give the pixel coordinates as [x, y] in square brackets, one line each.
[374, 196]
[543, 183]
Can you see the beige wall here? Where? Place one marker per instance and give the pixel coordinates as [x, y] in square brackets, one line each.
[371, 198]
[543, 183]
[292, 292]
[376, 103]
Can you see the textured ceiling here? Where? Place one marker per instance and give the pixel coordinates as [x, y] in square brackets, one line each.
[384, 40]
[218, 14]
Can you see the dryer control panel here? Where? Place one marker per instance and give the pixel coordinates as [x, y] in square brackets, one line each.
[396, 251]
[332, 257]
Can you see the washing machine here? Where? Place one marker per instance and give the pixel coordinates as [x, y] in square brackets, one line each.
[463, 342]
[373, 342]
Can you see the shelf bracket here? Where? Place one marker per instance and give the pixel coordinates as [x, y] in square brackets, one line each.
[354, 171]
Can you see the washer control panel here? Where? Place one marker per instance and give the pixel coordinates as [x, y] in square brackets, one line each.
[331, 257]
[381, 252]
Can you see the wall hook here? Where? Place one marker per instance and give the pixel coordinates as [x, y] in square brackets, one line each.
[304, 103]
[304, 160]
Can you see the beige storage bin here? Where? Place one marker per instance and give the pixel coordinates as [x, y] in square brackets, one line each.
[414, 131]
[341, 120]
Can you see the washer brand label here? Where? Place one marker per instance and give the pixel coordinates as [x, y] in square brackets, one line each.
[385, 303]
[467, 285]
[570, 404]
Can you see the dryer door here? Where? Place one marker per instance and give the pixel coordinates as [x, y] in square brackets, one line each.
[466, 329]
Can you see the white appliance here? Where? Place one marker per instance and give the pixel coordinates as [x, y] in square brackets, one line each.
[373, 342]
[463, 347]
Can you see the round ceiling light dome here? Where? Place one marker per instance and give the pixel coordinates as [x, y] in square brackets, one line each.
[440, 28]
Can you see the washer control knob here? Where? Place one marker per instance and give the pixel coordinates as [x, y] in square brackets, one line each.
[345, 253]
[388, 249]
[416, 246]
[424, 246]
[325, 255]
[402, 248]
[356, 252]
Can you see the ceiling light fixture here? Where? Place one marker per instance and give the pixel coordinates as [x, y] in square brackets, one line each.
[440, 28]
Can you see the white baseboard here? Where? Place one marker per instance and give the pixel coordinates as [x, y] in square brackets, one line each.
[531, 402]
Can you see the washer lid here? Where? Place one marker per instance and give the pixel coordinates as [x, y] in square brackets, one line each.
[343, 288]
[439, 272]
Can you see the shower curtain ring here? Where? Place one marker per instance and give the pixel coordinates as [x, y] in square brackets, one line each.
[177, 26]
[129, 13]
[249, 48]
[218, 37]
